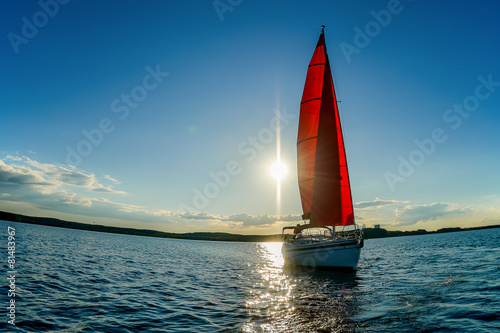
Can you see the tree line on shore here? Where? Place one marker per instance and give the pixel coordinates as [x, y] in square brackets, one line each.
[210, 236]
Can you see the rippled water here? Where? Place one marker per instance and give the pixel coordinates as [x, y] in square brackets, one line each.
[80, 281]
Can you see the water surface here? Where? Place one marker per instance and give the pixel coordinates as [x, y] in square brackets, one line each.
[82, 281]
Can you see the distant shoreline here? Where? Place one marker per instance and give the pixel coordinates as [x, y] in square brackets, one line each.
[370, 233]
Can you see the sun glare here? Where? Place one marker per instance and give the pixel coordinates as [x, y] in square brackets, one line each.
[278, 170]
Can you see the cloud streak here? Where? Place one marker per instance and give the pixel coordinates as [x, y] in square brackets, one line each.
[70, 176]
[48, 185]
[242, 219]
[19, 176]
[377, 203]
[260, 220]
[412, 214]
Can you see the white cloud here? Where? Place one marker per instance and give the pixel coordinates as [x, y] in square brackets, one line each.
[377, 203]
[103, 189]
[199, 216]
[64, 175]
[250, 220]
[412, 214]
[25, 171]
[108, 177]
[130, 209]
[20, 175]
[48, 185]
[13, 158]
[260, 220]
[241, 219]
[491, 221]
[73, 199]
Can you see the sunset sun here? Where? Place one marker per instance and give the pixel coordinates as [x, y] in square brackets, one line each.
[278, 170]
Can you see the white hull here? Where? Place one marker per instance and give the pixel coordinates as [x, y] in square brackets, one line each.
[338, 253]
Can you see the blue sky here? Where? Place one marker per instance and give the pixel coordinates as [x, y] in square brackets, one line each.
[162, 115]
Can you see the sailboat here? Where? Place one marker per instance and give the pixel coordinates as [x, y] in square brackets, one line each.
[330, 238]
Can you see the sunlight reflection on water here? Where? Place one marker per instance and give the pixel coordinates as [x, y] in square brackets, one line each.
[270, 297]
[295, 300]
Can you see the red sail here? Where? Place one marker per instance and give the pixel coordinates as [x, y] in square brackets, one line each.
[322, 166]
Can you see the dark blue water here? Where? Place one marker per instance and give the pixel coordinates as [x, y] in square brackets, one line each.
[80, 281]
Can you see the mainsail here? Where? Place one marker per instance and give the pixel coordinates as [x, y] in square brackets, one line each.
[321, 161]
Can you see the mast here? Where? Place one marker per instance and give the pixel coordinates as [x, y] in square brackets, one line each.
[321, 161]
